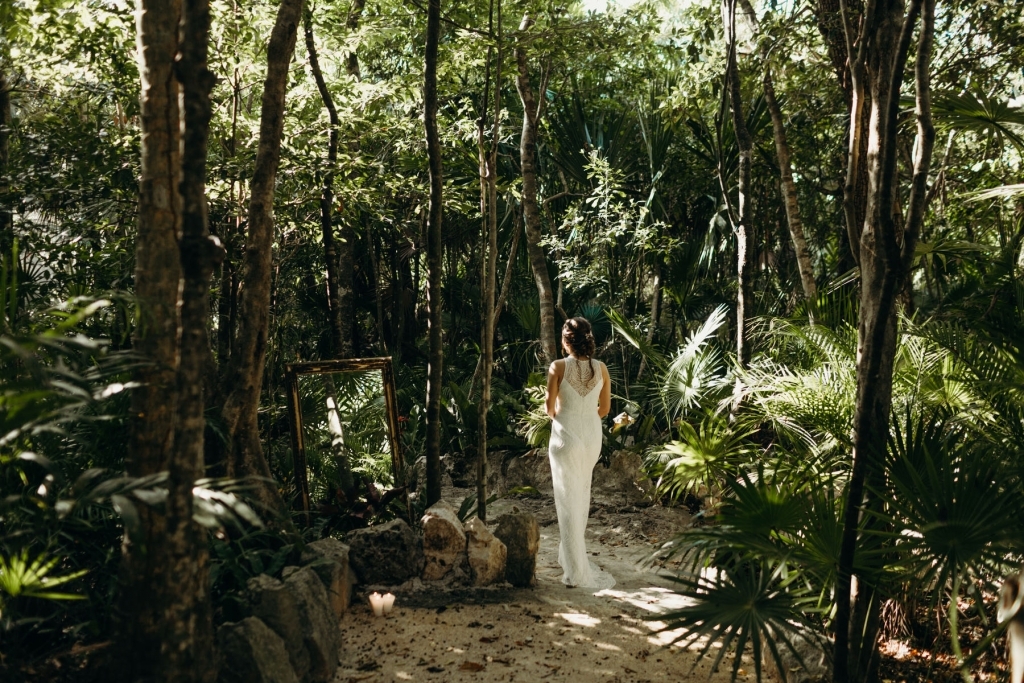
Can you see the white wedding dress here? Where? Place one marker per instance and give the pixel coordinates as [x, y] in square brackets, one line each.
[573, 450]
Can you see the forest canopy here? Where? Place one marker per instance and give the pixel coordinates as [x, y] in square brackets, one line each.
[796, 226]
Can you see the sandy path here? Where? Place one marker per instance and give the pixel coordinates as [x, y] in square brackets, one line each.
[547, 632]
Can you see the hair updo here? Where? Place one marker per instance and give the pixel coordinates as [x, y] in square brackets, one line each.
[578, 335]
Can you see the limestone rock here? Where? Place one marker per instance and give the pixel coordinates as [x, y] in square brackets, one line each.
[521, 536]
[623, 482]
[531, 469]
[278, 608]
[253, 653]
[320, 632]
[815, 667]
[496, 473]
[328, 557]
[388, 554]
[444, 541]
[487, 554]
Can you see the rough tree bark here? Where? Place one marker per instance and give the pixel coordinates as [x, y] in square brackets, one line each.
[157, 274]
[6, 220]
[435, 352]
[244, 378]
[883, 44]
[782, 152]
[342, 345]
[744, 290]
[533, 111]
[165, 619]
[200, 253]
[489, 258]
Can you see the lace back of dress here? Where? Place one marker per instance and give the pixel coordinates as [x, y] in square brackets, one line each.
[583, 380]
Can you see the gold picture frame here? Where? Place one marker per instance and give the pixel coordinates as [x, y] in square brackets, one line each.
[349, 365]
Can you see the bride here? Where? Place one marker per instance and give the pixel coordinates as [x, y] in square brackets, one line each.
[579, 396]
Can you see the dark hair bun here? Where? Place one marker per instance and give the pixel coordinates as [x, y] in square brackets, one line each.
[578, 335]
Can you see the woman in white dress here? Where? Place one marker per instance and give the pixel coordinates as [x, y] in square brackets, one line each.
[579, 396]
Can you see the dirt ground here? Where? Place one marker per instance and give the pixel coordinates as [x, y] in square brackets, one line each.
[547, 632]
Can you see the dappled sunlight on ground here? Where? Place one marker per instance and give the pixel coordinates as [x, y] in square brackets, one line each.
[549, 632]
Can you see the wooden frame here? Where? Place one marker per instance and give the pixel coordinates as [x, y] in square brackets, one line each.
[292, 373]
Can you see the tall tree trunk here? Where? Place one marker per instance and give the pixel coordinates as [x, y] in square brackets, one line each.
[355, 12]
[6, 219]
[883, 45]
[830, 26]
[244, 378]
[200, 254]
[506, 283]
[742, 226]
[839, 36]
[789, 197]
[489, 207]
[533, 111]
[346, 242]
[227, 296]
[157, 636]
[435, 352]
[341, 342]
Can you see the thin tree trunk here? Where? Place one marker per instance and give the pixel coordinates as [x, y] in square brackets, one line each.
[506, 284]
[346, 242]
[884, 44]
[789, 196]
[378, 295]
[655, 314]
[744, 290]
[533, 111]
[839, 38]
[355, 12]
[337, 432]
[435, 352]
[6, 219]
[200, 254]
[489, 203]
[245, 376]
[151, 582]
[341, 342]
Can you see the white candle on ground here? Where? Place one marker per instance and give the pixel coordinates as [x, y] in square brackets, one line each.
[389, 602]
[377, 603]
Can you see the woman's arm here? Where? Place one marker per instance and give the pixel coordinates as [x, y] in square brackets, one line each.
[554, 379]
[604, 404]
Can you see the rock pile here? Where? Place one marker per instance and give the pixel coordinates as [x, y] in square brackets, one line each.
[388, 554]
[486, 553]
[291, 633]
[444, 541]
[623, 482]
[456, 551]
[521, 536]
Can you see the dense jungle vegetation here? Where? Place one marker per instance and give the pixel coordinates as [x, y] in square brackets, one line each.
[797, 226]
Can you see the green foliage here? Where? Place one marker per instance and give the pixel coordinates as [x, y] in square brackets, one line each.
[636, 172]
[704, 458]
[749, 605]
[469, 506]
[31, 578]
[535, 423]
